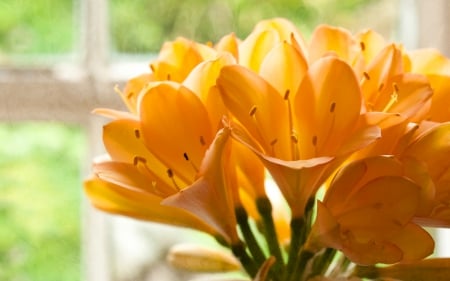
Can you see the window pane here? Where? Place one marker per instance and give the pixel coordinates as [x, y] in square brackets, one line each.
[38, 27]
[40, 201]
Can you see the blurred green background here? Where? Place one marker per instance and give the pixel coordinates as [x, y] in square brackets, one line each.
[40, 177]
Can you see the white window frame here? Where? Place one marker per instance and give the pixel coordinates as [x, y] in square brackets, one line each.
[68, 93]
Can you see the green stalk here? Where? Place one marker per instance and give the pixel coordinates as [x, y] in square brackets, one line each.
[247, 262]
[265, 209]
[322, 262]
[249, 237]
[297, 239]
[302, 262]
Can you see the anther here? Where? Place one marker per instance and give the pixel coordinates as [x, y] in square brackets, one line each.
[138, 159]
[381, 87]
[137, 133]
[273, 142]
[332, 107]
[168, 76]
[252, 110]
[294, 138]
[362, 45]
[186, 156]
[366, 75]
[170, 173]
[395, 87]
[286, 94]
[152, 67]
[202, 141]
[314, 140]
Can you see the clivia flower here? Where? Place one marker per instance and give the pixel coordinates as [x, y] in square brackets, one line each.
[352, 131]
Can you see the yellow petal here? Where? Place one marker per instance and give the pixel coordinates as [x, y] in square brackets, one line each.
[175, 128]
[229, 43]
[255, 47]
[132, 89]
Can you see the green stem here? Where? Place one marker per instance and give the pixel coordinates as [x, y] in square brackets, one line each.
[302, 262]
[265, 209]
[321, 263]
[297, 239]
[247, 262]
[249, 237]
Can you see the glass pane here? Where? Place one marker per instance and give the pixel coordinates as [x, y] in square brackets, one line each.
[140, 26]
[40, 201]
[40, 27]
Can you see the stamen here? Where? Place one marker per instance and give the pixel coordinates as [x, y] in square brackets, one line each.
[138, 159]
[202, 141]
[286, 94]
[394, 98]
[362, 45]
[130, 95]
[137, 133]
[186, 157]
[314, 140]
[252, 110]
[171, 176]
[152, 67]
[294, 138]
[332, 107]
[366, 75]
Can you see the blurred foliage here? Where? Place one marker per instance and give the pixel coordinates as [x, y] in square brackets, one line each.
[142, 25]
[137, 26]
[38, 26]
[40, 202]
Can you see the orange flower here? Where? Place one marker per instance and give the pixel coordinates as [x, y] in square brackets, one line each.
[295, 140]
[366, 213]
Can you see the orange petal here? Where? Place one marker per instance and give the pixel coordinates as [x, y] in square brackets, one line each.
[429, 61]
[140, 205]
[325, 116]
[386, 64]
[134, 177]
[123, 141]
[415, 243]
[208, 197]
[255, 104]
[440, 103]
[327, 39]
[175, 128]
[284, 67]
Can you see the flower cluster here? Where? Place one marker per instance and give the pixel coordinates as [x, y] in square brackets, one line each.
[353, 131]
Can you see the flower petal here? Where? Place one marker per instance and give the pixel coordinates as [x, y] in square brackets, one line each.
[175, 127]
[140, 205]
[327, 107]
[255, 103]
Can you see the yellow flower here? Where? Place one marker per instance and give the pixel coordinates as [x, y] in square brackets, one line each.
[367, 214]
